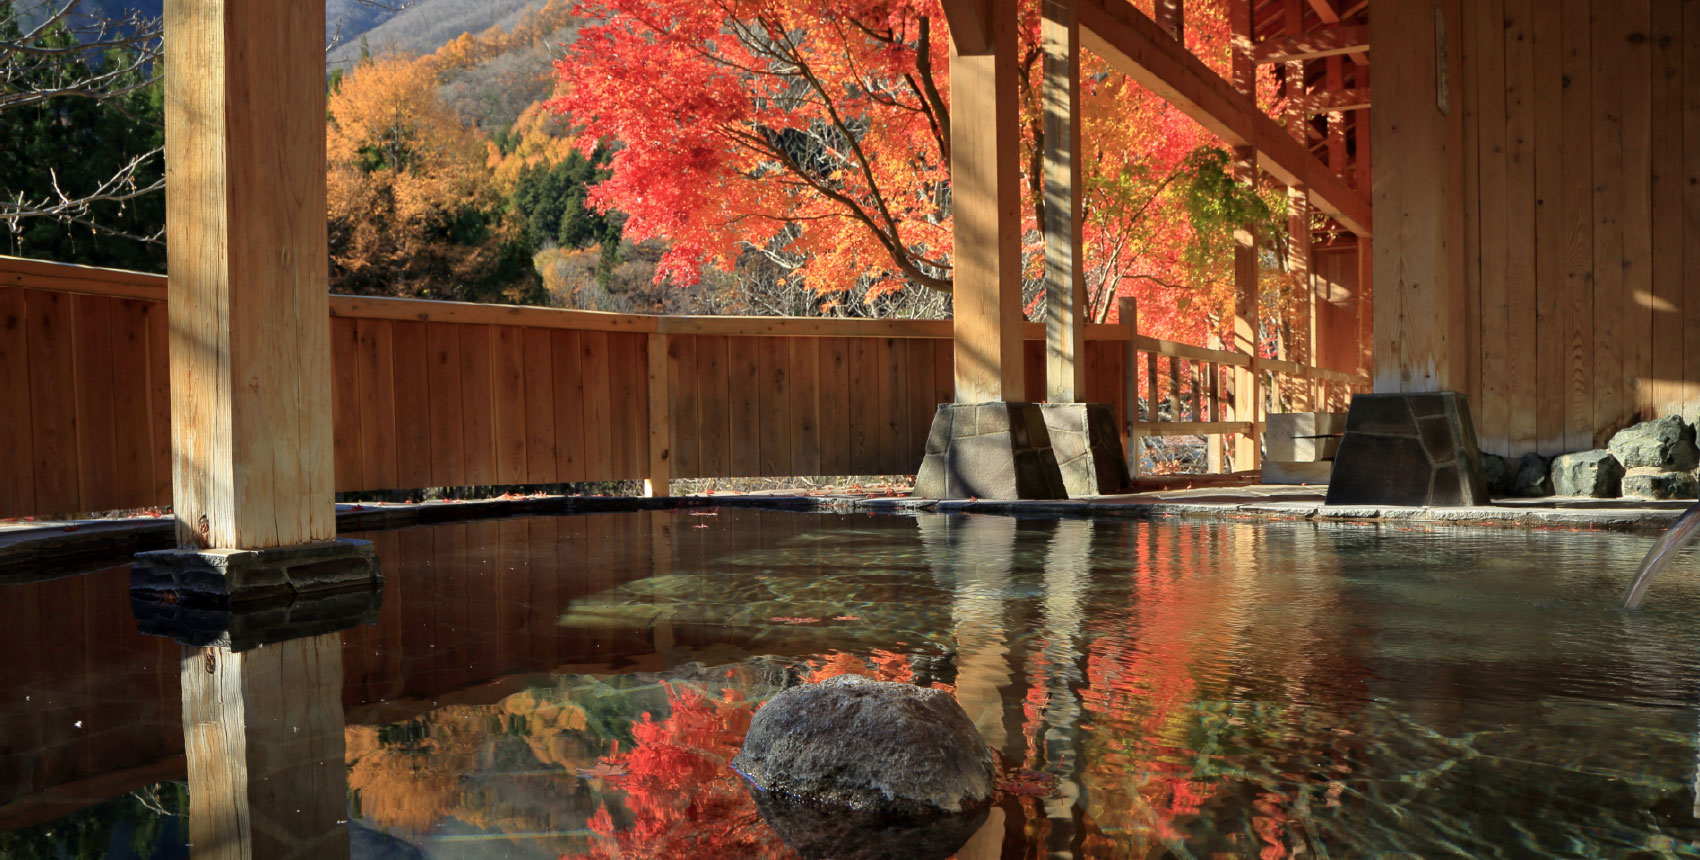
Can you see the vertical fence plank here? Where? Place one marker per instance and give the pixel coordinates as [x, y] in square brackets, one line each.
[1611, 317]
[1578, 166]
[598, 448]
[682, 413]
[863, 419]
[805, 406]
[566, 350]
[714, 442]
[894, 402]
[919, 411]
[774, 385]
[477, 397]
[159, 401]
[410, 368]
[1690, 168]
[378, 444]
[658, 469]
[133, 438]
[97, 465]
[1151, 379]
[743, 380]
[1634, 93]
[1669, 383]
[629, 408]
[17, 449]
[835, 406]
[1551, 347]
[345, 404]
[540, 458]
[448, 447]
[507, 410]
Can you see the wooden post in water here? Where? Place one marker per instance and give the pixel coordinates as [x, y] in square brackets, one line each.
[248, 296]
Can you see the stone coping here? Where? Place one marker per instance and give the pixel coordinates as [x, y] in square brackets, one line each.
[33, 552]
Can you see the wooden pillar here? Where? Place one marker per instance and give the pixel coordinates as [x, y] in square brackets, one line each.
[985, 173]
[1129, 315]
[1366, 246]
[1418, 192]
[1065, 283]
[248, 296]
[1248, 453]
[263, 735]
[1302, 322]
[1171, 16]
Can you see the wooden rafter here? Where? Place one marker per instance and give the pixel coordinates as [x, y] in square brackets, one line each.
[968, 19]
[1325, 101]
[1318, 43]
[1134, 44]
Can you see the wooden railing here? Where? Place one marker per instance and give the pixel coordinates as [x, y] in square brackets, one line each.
[430, 393]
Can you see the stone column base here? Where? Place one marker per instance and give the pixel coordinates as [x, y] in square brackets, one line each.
[244, 598]
[1088, 448]
[1409, 449]
[990, 450]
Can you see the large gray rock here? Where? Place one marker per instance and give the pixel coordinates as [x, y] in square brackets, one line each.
[1532, 478]
[1648, 483]
[1667, 444]
[1498, 475]
[869, 745]
[1588, 473]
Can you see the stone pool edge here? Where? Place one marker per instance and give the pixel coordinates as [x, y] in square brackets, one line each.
[41, 551]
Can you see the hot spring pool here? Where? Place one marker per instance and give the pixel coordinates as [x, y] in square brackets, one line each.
[573, 687]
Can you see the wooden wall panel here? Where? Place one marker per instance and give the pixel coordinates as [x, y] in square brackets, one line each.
[97, 461]
[410, 369]
[540, 451]
[566, 350]
[132, 420]
[477, 411]
[805, 406]
[682, 386]
[1551, 312]
[448, 463]
[345, 402]
[714, 440]
[773, 384]
[377, 390]
[1667, 305]
[863, 415]
[17, 464]
[835, 406]
[508, 411]
[593, 367]
[743, 398]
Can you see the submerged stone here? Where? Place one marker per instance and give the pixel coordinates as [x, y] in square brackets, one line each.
[1497, 473]
[872, 746]
[1667, 444]
[821, 832]
[1588, 473]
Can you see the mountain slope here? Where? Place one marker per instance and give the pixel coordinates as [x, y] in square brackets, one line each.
[349, 18]
[429, 24]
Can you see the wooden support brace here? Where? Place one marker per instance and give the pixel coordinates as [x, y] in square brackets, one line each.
[1314, 45]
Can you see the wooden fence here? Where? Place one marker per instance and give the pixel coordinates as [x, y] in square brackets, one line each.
[432, 393]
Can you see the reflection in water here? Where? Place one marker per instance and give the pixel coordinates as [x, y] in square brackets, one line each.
[573, 687]
[263, 731]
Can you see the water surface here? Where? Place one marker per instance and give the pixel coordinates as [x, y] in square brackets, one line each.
[573, 686]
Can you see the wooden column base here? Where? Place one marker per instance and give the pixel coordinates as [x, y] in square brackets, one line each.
[993, 450]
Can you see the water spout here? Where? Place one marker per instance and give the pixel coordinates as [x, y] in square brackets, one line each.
[1659, 557]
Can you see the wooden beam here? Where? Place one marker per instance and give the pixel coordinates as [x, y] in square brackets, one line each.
[1134, 44]
[1065, 282]
[1325, 11]
[248, 298]
[1314, 45]
[985, 172]
[969, 33]
[1330, 101]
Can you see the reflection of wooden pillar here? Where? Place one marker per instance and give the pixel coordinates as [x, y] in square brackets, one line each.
[263, 733]
[248, 297]
[1171, 16]
[1065, 282]
[1068, 574]
[974, 555]
[985, 175]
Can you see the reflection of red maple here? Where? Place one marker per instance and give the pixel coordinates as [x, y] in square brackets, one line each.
[683, 797]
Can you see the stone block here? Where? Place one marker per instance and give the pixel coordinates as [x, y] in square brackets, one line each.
[989, 451]
[1408, 449]
[1645, 482]
[1532, 478]
[1588, 473]
[1497, 473]
[1087, 446]
[1667, 443]
[244, 598]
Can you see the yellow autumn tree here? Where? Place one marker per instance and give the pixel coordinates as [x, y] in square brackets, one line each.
[412, 206]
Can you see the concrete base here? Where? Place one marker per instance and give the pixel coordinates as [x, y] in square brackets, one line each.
[989, 451]
[1409, 449]
[1088, 448]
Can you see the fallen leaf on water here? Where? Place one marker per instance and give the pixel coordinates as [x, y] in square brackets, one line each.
[705, 513]
[846, 618]
[700, 526]
[602, 770]
[784, 619]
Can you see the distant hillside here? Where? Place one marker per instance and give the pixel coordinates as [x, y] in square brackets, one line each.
[429, 24]
[352, 16]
